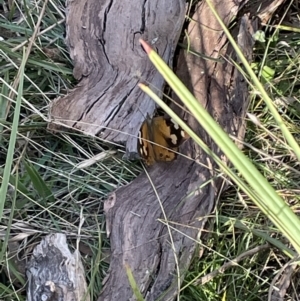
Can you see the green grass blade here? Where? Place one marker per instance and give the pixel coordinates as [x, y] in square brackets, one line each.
[12, 141]
[289, 137]
[133, 284]
[38, 183]
[267, 198]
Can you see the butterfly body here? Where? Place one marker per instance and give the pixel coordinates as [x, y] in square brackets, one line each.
[159, 139]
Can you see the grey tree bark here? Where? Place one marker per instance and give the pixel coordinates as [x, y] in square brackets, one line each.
[154, 226]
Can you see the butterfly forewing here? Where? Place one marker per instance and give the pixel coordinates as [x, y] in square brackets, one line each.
[177, 135]
[159, 137]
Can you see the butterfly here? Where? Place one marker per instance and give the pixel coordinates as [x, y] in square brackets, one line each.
[159, 139]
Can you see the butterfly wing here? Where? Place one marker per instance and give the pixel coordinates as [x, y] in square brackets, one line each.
[172, 132]
[145, 147]
[166, 137]
[159, 139]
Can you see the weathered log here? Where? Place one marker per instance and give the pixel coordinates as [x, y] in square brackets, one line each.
[54, 273]
[153, 232]
[185, 190]
[103, 39]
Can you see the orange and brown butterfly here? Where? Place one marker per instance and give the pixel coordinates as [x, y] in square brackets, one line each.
[159, 139]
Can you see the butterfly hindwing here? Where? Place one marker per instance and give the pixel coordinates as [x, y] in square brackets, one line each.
[144, 144]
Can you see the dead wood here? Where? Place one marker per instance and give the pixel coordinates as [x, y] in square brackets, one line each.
[103, 39]
[186, 189]
[109, 62]
[54, 273]
[281, 282]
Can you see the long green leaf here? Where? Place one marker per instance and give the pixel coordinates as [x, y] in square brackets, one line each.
[267, 199]
[38, 183]
[289, 137]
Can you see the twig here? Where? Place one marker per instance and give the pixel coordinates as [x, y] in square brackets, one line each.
[232, 263]
[281, 281]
